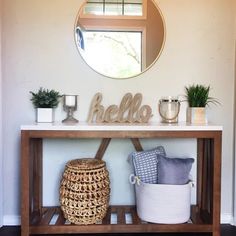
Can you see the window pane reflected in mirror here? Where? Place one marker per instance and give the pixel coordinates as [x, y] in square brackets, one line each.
[115, 53]
[114, 7]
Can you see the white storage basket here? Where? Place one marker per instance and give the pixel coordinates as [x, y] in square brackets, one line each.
[162, 203]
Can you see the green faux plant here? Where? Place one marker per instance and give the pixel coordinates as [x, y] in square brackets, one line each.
[45, 98]
[198, 96]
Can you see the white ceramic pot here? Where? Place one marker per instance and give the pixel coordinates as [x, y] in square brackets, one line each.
[196, 115]
[44, 115]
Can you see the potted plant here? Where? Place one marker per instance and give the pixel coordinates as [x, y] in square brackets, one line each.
[45, 100]
[198, 98]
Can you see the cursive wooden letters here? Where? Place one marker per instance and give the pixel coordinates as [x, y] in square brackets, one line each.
[129, 110]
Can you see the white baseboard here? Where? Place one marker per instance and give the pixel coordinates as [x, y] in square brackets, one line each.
[15, 220]
[226, 219]
[11, 220]
[233, 221]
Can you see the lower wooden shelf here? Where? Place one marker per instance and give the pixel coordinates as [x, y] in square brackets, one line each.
[119, 219]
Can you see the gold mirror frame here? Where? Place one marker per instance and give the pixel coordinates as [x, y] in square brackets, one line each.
[141, 23]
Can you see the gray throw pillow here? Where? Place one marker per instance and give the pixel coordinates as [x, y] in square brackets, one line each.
[145, 164]
[173, 170]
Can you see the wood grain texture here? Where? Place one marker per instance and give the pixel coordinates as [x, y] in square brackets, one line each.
[102, 148]
[136, 226]
[205, 215]
[36, 157]
[137, 145]
[25, 184]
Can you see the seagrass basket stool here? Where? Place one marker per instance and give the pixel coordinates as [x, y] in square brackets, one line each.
[85, 191]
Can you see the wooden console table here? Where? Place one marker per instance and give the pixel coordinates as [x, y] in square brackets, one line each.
[37, 219]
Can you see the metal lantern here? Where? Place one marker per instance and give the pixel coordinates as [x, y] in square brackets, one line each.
[169, 108]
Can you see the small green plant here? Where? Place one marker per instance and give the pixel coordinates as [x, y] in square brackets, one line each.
[198, 96]
[45, 98]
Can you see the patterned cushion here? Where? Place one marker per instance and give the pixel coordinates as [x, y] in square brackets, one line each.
[145, 164]
[173, 170]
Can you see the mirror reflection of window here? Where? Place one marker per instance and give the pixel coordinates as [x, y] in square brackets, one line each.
[118, 54]
[120, 38]
[114, 7]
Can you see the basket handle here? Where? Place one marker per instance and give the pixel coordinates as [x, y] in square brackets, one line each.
[192, 184]
[133, 179]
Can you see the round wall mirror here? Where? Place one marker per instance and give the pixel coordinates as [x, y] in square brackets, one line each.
[120, 38]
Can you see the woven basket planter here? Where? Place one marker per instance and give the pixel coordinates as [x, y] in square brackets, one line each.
[85, 191]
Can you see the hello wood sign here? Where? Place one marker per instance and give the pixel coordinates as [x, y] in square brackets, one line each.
[130, 110]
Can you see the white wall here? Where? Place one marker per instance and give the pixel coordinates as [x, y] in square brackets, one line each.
[39, 50]
[1, 176]
[234, 194]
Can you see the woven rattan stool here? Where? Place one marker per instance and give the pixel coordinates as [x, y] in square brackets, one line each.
[85, 191]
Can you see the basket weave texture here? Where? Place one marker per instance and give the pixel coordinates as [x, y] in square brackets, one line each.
[85, 191]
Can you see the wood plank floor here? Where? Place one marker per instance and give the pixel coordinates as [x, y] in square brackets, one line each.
[226, 230]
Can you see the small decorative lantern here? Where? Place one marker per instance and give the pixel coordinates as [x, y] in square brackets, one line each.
[70, 105]
[169, 108]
